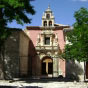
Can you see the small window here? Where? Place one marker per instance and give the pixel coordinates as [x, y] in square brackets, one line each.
[48, 16]
[45, 23]
[47, 40]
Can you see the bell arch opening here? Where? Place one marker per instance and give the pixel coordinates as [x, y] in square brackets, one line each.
[50, 23]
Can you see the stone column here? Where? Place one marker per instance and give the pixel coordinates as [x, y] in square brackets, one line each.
[52, 23]
[42, 40]
[47, 23]
[55, 67]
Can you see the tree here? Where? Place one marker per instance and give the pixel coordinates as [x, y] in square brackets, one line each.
[77, 49]
[12, 10]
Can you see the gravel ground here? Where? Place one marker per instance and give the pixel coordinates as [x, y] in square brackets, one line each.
[44, 84]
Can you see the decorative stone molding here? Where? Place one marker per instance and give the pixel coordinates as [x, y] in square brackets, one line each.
[48, 16]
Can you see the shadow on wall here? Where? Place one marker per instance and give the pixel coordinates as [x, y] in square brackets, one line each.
[73, 70]
[34, 63]
[19, 56]
[11, 55]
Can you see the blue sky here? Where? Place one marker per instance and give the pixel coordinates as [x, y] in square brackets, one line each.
[63, 11]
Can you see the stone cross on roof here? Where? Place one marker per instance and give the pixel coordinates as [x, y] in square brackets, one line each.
[48, 9]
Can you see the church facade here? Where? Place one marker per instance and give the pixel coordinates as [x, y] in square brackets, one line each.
[36, 52]
[47, 43]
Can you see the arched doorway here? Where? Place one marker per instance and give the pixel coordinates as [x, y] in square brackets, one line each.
[47, 66]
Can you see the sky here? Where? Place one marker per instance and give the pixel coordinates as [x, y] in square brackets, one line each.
[63, 11]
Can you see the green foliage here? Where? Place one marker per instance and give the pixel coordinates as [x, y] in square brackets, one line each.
[77, 49]
[13, 10]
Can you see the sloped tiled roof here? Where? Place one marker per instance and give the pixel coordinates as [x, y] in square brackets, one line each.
[33, 28]
[41, 28]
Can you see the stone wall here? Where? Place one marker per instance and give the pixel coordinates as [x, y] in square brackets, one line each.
[18, 59]
[15, 54]
[11, 59]
[24, 54]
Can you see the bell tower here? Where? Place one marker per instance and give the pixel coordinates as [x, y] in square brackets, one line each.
[48, 18]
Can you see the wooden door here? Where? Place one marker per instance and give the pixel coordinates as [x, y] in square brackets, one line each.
[87, 70]
[43, 68]
[50, 68]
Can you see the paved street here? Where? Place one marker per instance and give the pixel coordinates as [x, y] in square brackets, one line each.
[44, 84]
